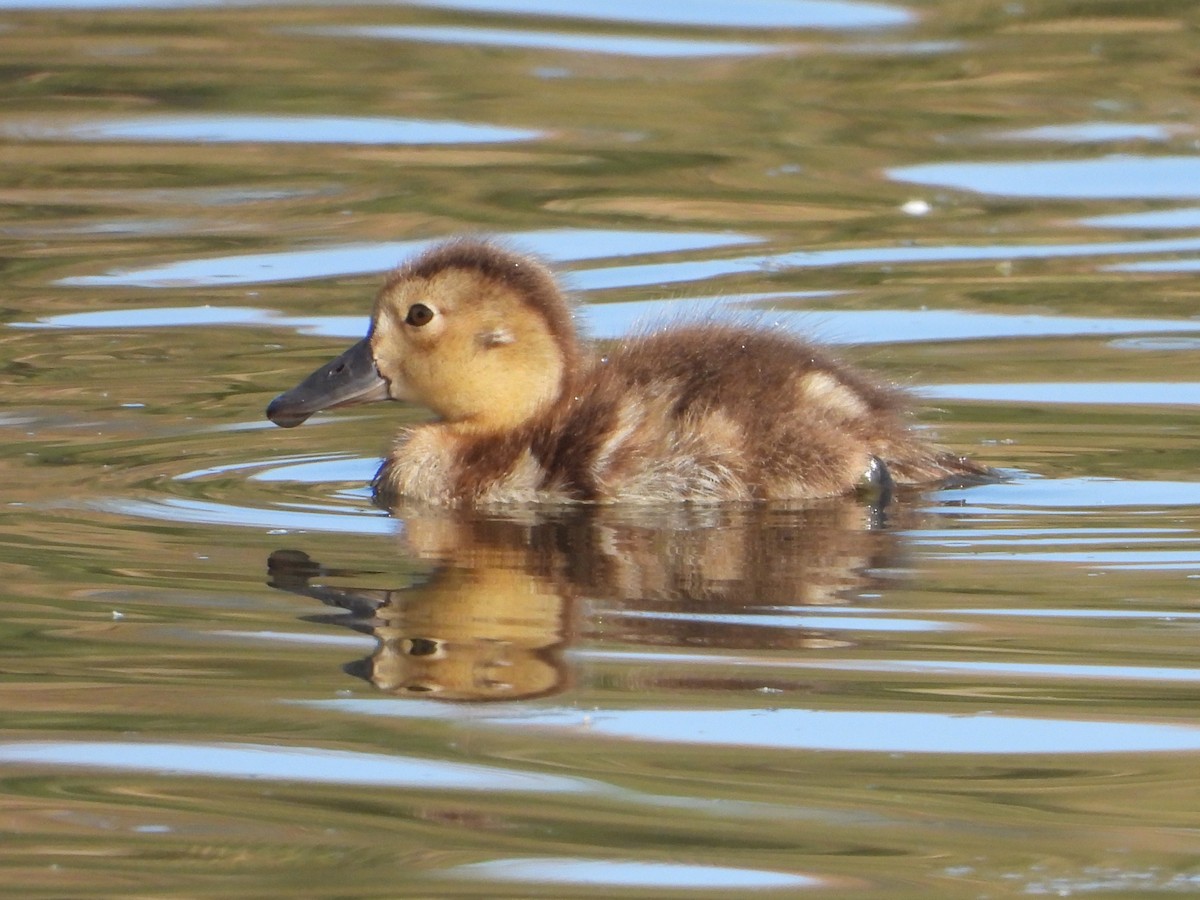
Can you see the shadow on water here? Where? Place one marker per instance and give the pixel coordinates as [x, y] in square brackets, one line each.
[508, 595]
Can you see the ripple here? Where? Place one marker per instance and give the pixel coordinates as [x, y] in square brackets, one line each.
[1019, 670]
[824, 14]
[1144, 549]
[613, 873]
[107, 4]
[809, 620]
[877, 256]
[1146, 393]
[556, 245]
[1113, 881]
[1157, 344]
[891, 326]
[940, 667]
[1160, 218]
[116, 227]
[201, 316]
[1090, 133]
[1144, 615]
[983, 537]
[621, 45]
[1164, 265]
[156, 317]
[1136, 560]
[891, 732]
[341, 468]
[271, 129]
[304, 764]
[354, 641]
[1079, 494]
[319, 469]
[897, 48]
[273, 519]
[1109, 178]
[810, 729]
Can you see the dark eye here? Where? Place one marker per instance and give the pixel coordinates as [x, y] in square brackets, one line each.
[418, 314]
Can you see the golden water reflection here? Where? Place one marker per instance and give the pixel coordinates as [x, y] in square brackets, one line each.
[509, 594]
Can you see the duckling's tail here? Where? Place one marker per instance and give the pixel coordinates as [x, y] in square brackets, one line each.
[943, 468]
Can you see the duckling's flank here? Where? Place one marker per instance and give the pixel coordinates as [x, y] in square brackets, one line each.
[484, 338]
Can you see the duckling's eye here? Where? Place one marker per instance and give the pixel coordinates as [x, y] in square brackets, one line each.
[418, 314]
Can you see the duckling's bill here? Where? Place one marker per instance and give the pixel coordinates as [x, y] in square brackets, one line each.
[351, 378]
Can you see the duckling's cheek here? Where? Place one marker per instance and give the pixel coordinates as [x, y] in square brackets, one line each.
[394, 359]
[399, 387]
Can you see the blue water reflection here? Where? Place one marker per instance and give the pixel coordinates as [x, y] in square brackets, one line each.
[594, 873]
[885, 326]
[619, 45]
[106, 4]
[827, 14]
[940, 667]
[1159, 265]
[271, 129]
[815, 619]
[702, 270]
[555, 245]
[1090, 133]
[823, 14]
[1188, 217]
[1033, 495]
[295, 520]
[813, 729]
[1158, 393]
[1108, 178]
[319, 468]
[304, 764]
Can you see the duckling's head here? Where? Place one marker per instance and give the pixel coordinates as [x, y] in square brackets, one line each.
[479, 334]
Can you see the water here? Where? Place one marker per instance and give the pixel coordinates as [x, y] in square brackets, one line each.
[226, 673]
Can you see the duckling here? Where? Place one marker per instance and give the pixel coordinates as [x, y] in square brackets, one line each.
[526, 413]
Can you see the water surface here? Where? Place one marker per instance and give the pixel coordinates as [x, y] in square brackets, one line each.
[227, 672]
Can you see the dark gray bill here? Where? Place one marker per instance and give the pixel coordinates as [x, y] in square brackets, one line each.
[351, 378]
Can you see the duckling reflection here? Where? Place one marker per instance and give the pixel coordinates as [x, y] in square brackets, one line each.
[509, 594]
[486, 632]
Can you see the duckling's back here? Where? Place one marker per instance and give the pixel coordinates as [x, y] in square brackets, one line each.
[712, 413]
